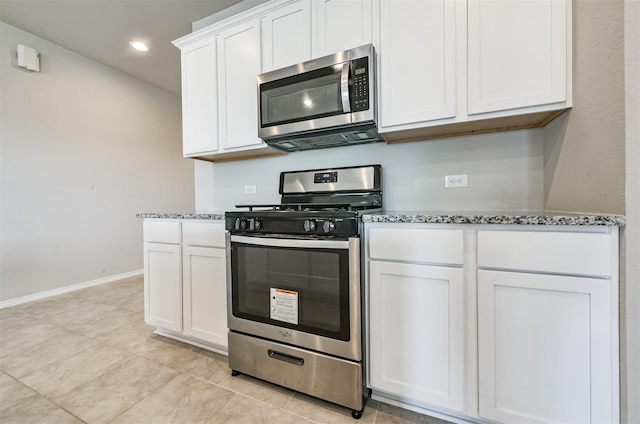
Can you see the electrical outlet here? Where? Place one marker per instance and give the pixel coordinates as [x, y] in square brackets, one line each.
[456, 181]
[250, 189]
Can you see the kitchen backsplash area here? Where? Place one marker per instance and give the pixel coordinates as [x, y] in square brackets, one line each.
[505, 172]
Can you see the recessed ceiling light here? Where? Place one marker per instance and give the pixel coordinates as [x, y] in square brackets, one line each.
[139, 45]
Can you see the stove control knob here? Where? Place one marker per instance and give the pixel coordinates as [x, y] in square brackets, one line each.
[309, 225]
[329, 226]
[257, 224]
[240, 224]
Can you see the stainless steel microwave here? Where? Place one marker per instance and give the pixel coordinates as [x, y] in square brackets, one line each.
[325, 102]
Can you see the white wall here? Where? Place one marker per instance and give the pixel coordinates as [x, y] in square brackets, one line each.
[504, 169]
[83, 148]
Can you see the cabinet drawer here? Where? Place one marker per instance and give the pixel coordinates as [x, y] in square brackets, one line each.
[417, 245]
[564, 253]
[203, 234]
[161, 232]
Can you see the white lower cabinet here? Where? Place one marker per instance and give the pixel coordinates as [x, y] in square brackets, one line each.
[547, 326]
[544, 348]
[494, 323]
[185, 281]
[417, 332]
[205, 293]
[162, 287]
[416, 315]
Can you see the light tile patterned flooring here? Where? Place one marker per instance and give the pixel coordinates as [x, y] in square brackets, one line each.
[88, 357]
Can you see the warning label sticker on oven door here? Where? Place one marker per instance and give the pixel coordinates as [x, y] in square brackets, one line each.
[284, 305]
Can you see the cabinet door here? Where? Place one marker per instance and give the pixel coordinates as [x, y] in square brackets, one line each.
[545, 348]
[416, 333]
[287, 35]
[517, 53]
[238, 67]
[163, 285]
[341, 25]
[199, 94]
[417, 61]
[205, 294]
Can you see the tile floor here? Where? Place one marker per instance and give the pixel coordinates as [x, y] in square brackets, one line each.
[88, 357]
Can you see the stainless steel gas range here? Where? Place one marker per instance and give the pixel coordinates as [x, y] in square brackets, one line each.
[295, 290]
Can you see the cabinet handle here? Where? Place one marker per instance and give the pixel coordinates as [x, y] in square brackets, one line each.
[286, 358]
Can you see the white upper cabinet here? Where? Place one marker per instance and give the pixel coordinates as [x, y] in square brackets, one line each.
[286, 35]
[417, 61]
[453, 67]
[220, 64]
[517, 54]
[341, 25]
[238, 66]
[199, 94]
[445, 67]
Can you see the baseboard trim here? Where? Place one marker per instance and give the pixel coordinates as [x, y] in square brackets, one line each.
[181, 338]
[67, 289]
[392, 400]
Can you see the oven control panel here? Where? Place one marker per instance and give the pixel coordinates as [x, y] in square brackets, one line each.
[246, 224]
[302, 226]
[327, 226]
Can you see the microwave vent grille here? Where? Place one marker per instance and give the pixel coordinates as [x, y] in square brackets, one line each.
[322, 139]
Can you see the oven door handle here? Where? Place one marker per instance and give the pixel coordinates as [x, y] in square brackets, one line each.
[282, 242]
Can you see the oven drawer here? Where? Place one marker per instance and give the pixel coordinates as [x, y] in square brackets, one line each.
[417, 245]
[333, 379]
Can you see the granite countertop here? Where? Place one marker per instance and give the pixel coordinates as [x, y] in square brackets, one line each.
[496, 217]
[210, 216]
[442, 217]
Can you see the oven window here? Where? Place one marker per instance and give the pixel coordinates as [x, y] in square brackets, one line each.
[303, 289]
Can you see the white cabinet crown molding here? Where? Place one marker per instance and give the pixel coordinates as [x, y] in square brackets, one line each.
[230, 21]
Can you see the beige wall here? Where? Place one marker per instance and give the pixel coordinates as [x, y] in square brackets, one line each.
[630, 306]
[584, 168]
[83, 148]
[592, 155]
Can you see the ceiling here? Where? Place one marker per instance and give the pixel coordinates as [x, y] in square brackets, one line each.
[101, 30]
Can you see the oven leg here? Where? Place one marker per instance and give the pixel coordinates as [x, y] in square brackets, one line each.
[358, 414]
[235, 373]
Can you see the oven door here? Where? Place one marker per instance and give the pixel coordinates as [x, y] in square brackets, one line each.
[304, 293]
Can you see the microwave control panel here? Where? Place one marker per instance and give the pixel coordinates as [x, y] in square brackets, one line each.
[360, 92]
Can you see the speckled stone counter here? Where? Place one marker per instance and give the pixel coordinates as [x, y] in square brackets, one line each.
[517, 218]
[210, 216]
[423, 217]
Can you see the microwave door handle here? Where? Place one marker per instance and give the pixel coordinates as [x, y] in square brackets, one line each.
[344, 88]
